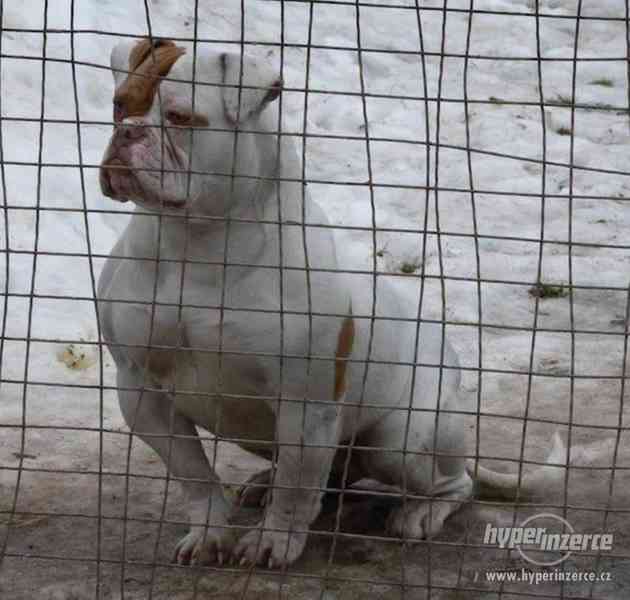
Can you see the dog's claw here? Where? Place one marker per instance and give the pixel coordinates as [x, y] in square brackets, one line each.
[179, 557]
[274, 549]
[197, 548]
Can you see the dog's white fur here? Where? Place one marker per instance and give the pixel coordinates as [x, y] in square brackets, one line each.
[191, 355]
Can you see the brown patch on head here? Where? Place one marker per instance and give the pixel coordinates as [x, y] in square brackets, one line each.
[345, 342]
[148, 62]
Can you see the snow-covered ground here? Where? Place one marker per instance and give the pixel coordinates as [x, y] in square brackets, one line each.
[507, 210]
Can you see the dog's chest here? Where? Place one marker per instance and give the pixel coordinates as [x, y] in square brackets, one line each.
[216, 338]
[172, 325]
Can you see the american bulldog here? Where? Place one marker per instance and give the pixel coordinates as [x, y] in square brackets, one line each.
[223, 308]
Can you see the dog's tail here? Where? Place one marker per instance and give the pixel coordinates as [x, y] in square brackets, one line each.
[506, 485]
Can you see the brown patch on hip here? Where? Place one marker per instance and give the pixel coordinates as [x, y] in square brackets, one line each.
[345, 342]
[148, 63]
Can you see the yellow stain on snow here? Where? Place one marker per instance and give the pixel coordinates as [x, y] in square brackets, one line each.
[75, 358]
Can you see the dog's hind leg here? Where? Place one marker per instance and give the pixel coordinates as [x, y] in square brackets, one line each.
[149, 415]
[427, 466]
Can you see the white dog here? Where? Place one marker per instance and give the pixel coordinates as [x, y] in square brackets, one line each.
[244, 327]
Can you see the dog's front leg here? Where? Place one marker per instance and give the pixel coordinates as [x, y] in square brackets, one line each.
[149, 415]
[307, 433]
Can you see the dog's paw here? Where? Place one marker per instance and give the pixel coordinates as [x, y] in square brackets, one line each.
[204, 546]
[271, 545]
[255, 492]
[417, 520]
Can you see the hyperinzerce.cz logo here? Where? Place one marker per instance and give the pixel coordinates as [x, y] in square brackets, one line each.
[530, 539]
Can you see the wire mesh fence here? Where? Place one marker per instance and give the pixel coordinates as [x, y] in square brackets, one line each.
[368, 311]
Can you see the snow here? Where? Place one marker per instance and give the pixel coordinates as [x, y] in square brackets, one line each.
[507, 199]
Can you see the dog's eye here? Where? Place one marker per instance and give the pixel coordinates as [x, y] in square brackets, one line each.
[186, 119]
[179, 119]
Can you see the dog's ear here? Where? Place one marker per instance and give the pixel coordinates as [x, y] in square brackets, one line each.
[119, 60]
[265, 86]
[138, 68]
[129, 55]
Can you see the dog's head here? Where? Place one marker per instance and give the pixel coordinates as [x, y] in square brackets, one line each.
[165, 151]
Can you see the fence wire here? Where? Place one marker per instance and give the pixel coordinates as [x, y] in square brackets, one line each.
[86, 511]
